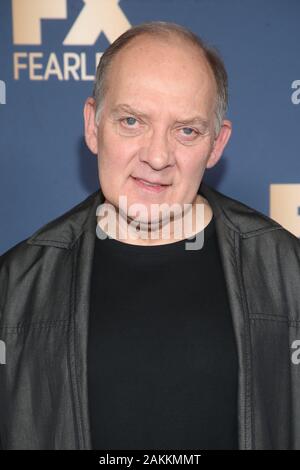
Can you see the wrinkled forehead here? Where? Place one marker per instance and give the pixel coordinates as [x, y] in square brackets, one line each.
[171, 72]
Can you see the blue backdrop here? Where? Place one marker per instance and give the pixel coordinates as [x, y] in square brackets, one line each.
[47, 62]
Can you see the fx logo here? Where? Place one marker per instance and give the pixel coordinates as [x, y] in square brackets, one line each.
[285, 206]
[96, 16]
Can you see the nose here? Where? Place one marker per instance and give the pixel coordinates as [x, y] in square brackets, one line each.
[157, 150]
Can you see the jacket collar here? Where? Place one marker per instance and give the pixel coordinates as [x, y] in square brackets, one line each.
[64, 231]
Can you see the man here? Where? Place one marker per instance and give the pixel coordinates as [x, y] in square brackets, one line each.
[116, 334]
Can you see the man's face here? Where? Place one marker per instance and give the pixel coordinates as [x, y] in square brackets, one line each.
[157, 124]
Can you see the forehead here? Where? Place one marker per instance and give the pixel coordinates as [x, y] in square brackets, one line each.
[165, 73]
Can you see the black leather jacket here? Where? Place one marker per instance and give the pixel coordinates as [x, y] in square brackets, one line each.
[44, 306]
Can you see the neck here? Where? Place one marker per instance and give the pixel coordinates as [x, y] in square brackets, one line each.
[184, 225]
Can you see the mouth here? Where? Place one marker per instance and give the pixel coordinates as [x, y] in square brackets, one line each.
[150, 186]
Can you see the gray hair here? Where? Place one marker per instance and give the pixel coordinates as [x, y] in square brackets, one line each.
[164, 29]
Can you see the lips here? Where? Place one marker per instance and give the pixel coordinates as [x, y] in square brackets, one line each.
[150, 186]
[153, 183]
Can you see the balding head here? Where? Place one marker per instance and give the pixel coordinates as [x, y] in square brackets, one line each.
[168, 33]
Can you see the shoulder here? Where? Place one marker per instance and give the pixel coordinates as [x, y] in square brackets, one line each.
[59, 232]
[242, 218]
[49, 244]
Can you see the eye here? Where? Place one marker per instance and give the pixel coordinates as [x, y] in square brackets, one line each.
[189, 130]
[129, 126]
[129, 121]
[188, 133]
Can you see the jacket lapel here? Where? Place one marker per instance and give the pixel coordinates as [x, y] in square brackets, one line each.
[80, 307]
[229, 243]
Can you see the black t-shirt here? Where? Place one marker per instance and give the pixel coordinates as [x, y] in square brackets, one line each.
[162, 359]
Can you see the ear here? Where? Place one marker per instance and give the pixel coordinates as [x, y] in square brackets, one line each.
[90, 127]
[219, 143]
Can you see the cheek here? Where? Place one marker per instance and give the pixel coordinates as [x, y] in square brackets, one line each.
[192, 162]
[114, 163]
[115, 150]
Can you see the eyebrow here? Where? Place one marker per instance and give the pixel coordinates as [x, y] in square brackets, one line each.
[127, 108]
